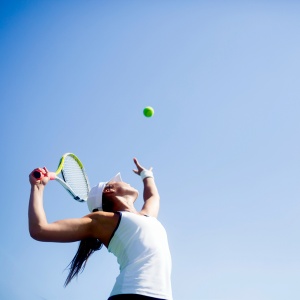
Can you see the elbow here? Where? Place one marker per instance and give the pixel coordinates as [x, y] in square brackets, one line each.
[36, 233]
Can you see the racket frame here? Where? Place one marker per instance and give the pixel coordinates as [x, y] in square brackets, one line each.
[62, 181]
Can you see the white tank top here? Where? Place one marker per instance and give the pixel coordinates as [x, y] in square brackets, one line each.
[141, 246]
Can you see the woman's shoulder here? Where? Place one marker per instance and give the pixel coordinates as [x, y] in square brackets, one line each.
[102, 215]
[104, 224]
[103, 219]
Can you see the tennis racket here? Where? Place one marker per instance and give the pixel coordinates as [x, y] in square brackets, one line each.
[74, 178]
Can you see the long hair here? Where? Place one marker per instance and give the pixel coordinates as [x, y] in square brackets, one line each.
[86, 248]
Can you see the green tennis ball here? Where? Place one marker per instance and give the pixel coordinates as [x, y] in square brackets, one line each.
[148, 111]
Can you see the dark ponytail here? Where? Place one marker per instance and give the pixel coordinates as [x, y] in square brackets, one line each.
[86, 248]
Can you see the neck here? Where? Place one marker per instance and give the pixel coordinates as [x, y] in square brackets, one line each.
[125, 204]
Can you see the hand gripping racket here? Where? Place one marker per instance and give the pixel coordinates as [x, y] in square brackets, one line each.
[74, 178]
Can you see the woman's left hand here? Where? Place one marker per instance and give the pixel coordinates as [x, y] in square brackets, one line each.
[139, 167]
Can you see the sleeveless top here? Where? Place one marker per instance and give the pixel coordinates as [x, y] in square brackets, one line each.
[141, 246]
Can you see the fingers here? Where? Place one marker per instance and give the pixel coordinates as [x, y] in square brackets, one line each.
[46, 172]
[35, 176]
[136, 162]
[38, 174]
[139, 167]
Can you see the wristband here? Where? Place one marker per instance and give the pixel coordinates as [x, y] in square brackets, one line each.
[146, 173]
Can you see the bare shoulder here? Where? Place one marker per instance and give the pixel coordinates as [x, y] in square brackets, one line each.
[104, 224]
[101, 215]
[104, 219]
[149, 213]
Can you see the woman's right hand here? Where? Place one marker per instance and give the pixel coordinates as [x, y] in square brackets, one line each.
[42, 180]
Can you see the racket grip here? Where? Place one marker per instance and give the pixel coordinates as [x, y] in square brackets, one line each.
[52, 175]
[39, 175]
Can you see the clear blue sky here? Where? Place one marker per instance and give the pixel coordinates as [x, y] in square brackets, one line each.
[223, 78]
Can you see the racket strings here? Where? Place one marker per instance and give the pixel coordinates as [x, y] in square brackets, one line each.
[75, 177]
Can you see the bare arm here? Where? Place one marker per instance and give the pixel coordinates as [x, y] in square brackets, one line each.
[150, 194]
[68, 230]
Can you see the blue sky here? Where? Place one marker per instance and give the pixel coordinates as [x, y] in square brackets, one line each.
[223, 78]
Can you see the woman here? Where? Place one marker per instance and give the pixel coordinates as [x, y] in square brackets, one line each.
[137, 239]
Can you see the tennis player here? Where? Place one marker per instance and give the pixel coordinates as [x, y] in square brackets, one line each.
[136, 238]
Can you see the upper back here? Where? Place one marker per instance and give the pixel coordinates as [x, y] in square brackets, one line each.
[105, 225]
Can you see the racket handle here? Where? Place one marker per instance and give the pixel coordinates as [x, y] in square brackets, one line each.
[39, 175]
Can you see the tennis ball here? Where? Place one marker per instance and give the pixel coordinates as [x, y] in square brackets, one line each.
[148, 111]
